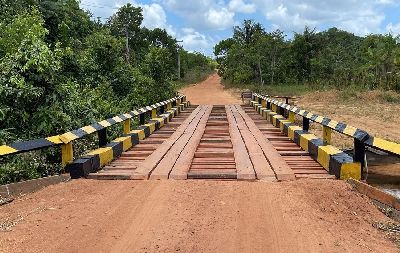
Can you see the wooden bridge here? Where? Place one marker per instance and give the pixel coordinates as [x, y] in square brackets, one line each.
[258, 140]
[215, 142]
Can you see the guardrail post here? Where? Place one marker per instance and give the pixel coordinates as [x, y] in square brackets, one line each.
[154, 113]
[326, 134]
[169, 106]
[178, 102]
[162, 109]
[291, 116]
[142, 118]
[67, 153]
[275, 108]
[359, 152]
[281, 111]
[306, 124]
[263, 103]
[127, 126]
[268, 105]
[102, 134]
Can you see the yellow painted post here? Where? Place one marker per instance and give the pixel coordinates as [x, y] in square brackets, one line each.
[169, 106]
[178, 102]
[154, 113]
[263, 103]
[67, 153]
[127, 126]
[326, 134]
[291, 116]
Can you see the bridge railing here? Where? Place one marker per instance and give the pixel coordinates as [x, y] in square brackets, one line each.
[65, 140]
[362, 139]
[332, 159]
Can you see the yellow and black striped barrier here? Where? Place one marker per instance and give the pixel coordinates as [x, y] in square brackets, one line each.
[168, 109]
[331, 158]
[96, 159]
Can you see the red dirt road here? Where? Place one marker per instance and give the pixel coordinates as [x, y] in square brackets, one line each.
[193, 216]
[210, 92]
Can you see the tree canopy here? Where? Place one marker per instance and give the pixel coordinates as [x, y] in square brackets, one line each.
[332, 57]
[60, 69]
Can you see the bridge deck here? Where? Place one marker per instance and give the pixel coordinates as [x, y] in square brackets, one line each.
[215, 142]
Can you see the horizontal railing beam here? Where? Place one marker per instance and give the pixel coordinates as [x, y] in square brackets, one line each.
[340, 127]
[66, 138]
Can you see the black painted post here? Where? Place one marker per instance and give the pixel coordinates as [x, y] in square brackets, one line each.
[287, 100]
[359, 154]
[162, 109]
[306, 124]
[282, 111]
[142, 118]
[268, 105]
[102, 134]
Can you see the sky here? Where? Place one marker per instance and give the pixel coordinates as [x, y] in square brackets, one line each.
[203, 23]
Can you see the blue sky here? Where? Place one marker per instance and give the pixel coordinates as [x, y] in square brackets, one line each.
[202, 23]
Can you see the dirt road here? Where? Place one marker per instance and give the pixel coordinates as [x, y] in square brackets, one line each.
[193, 216]
[210, 92]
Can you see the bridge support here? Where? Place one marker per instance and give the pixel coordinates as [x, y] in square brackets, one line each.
[306, 124]
[326, 134]
[359, 153]
[291, 116]
[102, 135]
[67, 153]
[127, 126]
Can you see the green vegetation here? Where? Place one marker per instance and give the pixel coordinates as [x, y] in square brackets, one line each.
[204, 67]
[334, 58]
[60, 70]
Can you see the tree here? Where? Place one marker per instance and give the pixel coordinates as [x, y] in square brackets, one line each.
[126, 22]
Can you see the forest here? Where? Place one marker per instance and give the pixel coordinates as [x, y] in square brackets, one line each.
[61, 69]
[332, 58]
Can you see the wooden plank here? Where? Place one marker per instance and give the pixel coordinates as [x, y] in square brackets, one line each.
[278, 164]
[244, 167]
[201, 174]
[183, 151]
[181, 167]
[260, 163]
[210, 154]
[144, 170]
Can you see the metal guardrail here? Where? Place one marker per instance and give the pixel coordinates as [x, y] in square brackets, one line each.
[65, 140]
[361, 137]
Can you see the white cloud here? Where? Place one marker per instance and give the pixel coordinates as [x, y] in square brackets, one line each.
[240, 6]
[393, 28]
[389, 2]
[220, 18]
[196, 41]
[202, 14]
[360, 17]
[154, 16]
